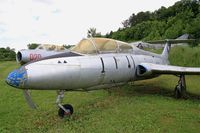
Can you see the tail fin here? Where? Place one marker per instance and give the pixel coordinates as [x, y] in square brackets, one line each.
[166, 50]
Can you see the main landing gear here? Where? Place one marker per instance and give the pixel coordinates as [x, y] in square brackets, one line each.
[180, 89]
[65, 110]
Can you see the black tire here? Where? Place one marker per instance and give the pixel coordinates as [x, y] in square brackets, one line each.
[177, 92]
[62, 113]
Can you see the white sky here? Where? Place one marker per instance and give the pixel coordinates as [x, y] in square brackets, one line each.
[64, 21]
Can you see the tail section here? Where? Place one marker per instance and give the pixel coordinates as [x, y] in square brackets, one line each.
[168, 43]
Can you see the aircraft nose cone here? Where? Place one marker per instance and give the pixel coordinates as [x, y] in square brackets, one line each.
[17, 78]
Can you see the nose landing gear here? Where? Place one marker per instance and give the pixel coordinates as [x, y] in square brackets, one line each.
[65, 110]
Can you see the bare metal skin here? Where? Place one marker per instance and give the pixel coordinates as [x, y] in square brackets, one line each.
[97, 70]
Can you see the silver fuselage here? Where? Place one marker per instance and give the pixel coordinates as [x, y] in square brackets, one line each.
[85, 72]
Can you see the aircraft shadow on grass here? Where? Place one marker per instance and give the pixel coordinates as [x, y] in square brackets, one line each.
[150, 89]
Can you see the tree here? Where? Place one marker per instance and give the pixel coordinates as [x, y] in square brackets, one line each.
[68, 46]
[136, 19]
[126, 23]
[92, 32]
[32, 45]
[7, 54]
[183, 17]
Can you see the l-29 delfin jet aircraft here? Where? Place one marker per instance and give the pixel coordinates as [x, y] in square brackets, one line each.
[96, 63]
[44, 50]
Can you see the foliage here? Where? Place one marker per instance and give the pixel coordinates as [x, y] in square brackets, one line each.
[32, 45]
[183, 17]
[7, 54]
[68, 46]
[92, 32]
[136, 19]
[185, 56]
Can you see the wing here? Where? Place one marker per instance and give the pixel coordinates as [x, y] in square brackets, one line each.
[148, 69]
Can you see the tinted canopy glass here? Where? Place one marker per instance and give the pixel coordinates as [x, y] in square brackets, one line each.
[101, 45]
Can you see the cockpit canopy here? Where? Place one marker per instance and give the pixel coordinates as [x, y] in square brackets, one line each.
[101, 45]
[50, 47]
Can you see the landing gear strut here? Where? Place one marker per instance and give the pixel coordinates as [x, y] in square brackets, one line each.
[66, 109]
[180, 89]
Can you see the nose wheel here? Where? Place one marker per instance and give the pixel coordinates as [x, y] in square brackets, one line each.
[65, 110]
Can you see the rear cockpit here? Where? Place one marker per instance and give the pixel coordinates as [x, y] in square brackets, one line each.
[101, 45]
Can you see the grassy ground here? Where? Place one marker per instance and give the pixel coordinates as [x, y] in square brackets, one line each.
[144, 106]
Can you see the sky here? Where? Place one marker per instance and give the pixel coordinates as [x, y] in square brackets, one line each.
[65, 21]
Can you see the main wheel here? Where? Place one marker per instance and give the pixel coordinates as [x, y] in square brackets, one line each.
[177, 92]
[69, 108]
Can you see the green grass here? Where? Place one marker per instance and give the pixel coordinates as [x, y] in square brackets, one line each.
[182, 55]
[185, 56]
[144, 106]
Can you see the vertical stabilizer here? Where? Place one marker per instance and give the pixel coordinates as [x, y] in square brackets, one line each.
[165, 53]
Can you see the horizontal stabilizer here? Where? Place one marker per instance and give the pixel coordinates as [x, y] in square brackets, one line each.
[172, 41]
